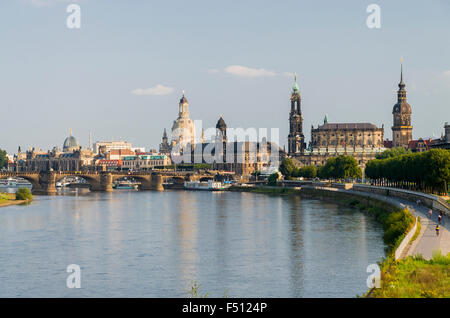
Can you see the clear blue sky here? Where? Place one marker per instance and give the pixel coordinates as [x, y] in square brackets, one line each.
[53, 78]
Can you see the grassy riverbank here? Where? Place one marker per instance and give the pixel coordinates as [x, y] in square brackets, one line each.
[414, 277]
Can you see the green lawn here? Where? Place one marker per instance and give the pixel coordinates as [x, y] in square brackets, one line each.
[415, 277]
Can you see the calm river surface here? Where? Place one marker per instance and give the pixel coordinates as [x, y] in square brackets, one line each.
[153, 244]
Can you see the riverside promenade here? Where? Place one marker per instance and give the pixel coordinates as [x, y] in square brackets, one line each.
[427, 241]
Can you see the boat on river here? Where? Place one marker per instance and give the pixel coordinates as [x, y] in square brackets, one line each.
[14, 183]
[209, 185]
[124, 185]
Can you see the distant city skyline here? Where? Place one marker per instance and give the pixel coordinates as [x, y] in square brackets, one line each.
[122, 74]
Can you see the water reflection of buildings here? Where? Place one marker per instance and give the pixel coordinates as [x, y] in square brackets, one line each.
[186, 224]
[296, 245]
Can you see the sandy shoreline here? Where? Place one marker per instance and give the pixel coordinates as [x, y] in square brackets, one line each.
[12, 202]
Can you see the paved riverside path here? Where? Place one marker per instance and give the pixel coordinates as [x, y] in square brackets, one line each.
[427, 242]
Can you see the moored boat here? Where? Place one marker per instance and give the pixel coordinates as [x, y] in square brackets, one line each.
[209, 185]
[15, 183]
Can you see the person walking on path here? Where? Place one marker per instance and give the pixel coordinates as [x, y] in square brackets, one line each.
[430, 213]
[439, 218]
[437, 230]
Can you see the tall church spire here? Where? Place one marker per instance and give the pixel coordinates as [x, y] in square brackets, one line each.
[401, 73]
[296, 138]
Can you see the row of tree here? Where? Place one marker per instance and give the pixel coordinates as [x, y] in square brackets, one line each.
[340, 167]
[425, 171]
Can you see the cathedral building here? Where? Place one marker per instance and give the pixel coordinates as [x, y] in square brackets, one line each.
[401, 129]
[363, 141]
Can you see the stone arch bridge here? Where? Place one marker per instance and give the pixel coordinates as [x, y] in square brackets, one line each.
[45, 182]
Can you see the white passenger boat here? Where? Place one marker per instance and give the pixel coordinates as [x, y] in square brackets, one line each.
[209, 185]
[14, 183]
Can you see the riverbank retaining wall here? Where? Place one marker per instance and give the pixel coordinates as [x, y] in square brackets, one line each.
[401, 249]
[431, 201]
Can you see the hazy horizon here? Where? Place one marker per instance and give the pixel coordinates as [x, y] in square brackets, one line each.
[121, 75]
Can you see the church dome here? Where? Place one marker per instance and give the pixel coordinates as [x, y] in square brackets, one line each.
[70, 143]
[183, 100]
[402, 108]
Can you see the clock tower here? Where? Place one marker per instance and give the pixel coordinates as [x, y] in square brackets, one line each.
[401, 129]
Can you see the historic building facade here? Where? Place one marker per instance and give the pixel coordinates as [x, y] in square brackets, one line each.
[402, 128]
[444, 141]
[359, 140]
[72, 158]
[296, 139]
[106, 146]
[145, 162]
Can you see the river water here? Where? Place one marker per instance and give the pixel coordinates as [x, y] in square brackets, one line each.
[154, 244]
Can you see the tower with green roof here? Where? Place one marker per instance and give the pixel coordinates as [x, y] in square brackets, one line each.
[296, 139]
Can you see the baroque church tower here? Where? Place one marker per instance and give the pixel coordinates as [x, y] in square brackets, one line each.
[296, 139]
[183, 128]
[401, 129]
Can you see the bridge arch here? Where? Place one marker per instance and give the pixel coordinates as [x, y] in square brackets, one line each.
[96, 180]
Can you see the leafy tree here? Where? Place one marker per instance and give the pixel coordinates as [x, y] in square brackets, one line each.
[24, 194]
[347, 167]
[3, 159]
[272, 181]
[394, 152]
[428, 171]
[287, 168]
[308, 172]
[437, 164]
[340, 167]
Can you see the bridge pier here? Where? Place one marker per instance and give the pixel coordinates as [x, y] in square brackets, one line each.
[46, 185]
[104, 185]
[152, 182]
[157, 182]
